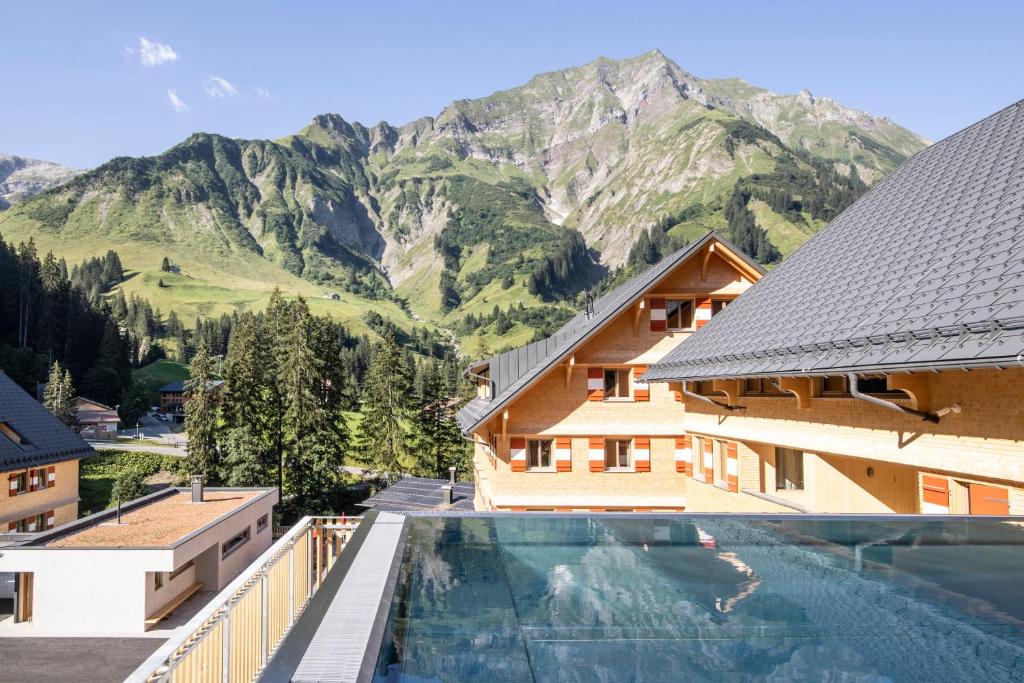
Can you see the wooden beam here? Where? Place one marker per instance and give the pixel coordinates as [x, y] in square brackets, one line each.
[707, 257]
[800, 387]
[915, 385]
[729, 387]
[504, 425]
[569, 364]
[638, 311]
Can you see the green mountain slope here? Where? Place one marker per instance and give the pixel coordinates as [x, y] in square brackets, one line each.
[522, 198]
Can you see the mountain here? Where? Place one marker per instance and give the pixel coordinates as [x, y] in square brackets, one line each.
[516, 201]
[21, 178]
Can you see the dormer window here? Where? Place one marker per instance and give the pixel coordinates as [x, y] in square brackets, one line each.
[8, 431]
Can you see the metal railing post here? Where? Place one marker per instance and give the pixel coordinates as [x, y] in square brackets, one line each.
[225, 636]
[265, 623]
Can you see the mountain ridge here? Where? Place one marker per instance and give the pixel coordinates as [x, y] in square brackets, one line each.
[521, 198]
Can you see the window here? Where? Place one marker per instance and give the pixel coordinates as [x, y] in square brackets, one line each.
[8, 431]
[158, 580]
[752, 386]
[484, 384]
[181, 570]
[789, 469]
[679, 314]
[19, 482]
[538, 454]
[719, 452]
[873, 385]
[717, 305]
[616, 454]
[262, 523]
[235, 543]
[832, 386]
[616, 384]
[697, 457]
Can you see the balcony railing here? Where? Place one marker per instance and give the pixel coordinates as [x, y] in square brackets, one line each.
[233, 637]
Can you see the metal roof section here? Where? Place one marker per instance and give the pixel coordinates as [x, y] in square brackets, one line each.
[924, 272]
[336, 651]
[45, 440]
[417, 494]
[514, 370]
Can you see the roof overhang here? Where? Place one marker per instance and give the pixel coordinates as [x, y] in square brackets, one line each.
[727, 251]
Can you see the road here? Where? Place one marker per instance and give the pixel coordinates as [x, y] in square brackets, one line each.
[144, 445]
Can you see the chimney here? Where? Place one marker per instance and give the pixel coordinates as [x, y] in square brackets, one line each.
[197, 488]
[446, 494]
[451, 476]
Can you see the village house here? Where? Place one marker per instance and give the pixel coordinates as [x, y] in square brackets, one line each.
[134, 568]
[566, 424]
[39, 457]
[96, 420]
[880, 368]
[173, 399]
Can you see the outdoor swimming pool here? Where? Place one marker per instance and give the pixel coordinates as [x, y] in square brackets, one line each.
[615, 598]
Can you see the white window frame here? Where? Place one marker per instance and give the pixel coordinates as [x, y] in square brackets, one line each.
[720, 458]
[530, 444]
[697, 457]
[628, 384]
[630, 463]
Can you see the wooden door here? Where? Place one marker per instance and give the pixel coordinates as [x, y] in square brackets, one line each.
[24, 598]
[989, 500]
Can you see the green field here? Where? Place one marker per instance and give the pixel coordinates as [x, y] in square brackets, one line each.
[159, 373]
[98, 473]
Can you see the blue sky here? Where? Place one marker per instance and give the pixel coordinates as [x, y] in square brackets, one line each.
[80, 86]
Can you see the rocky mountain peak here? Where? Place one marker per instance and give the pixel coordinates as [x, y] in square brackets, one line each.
[21, 178]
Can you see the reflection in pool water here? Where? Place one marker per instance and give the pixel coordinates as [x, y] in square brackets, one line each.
[626, 598]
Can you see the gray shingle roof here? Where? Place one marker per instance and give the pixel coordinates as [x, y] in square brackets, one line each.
[925, 271]
[512, 371]
[410, 494]
[46, 439]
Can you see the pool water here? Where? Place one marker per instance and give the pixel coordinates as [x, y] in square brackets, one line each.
[616, 598]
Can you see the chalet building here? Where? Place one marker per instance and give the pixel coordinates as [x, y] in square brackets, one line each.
[566, 424]
[39, 458]
[97, 420]
[173, 400]
[880, 368]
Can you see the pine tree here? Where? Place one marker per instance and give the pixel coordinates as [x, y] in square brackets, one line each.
[245, 458]
[165, 265]
[201, 415]
[58, 395]
[384, 432]
[437, 438]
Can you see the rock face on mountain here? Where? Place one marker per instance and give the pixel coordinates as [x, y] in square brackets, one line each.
[522, 197]
[21, 178]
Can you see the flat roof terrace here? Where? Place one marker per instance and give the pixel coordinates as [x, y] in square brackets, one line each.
[158, 522]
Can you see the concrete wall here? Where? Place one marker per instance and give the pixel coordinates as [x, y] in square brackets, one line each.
[62, 498]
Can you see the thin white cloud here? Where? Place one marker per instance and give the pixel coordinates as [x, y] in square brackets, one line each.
[176, 102]
[260, 92]
[152, 53]
[217, 87]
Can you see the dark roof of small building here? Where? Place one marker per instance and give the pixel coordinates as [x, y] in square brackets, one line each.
[179, 386]
[45, 439]
[513, 370]
[926, 271]
[412, 494]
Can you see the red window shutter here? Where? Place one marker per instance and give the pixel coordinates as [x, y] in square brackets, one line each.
[518, 461]
[595, 454]
[51, 476]
[49, 519]
[732, 466]
[595, 384]
[934, 495]
[642, 454]
[12, 526]
[658, 320]
[33, 480]
[641, 390]
[12, 485]
[703, 314]
[563, 454]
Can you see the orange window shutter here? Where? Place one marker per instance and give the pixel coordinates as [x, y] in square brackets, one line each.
[989, 500]
[595, 454]
[642, 454]
[595, 384]
[934, 495]
[518, 459]
[684, 462]
[563, 454]
[709, 461]
[732, 466]
[703, 313]
[659, 323]
[641, 390]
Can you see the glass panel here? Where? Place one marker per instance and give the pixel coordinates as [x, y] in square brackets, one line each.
[679, 314]
[717, 305]
[539, 453]
[673, 598]
[719, 450]
[789, 469]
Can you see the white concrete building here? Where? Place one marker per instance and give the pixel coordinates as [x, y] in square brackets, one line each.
[100, 576]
